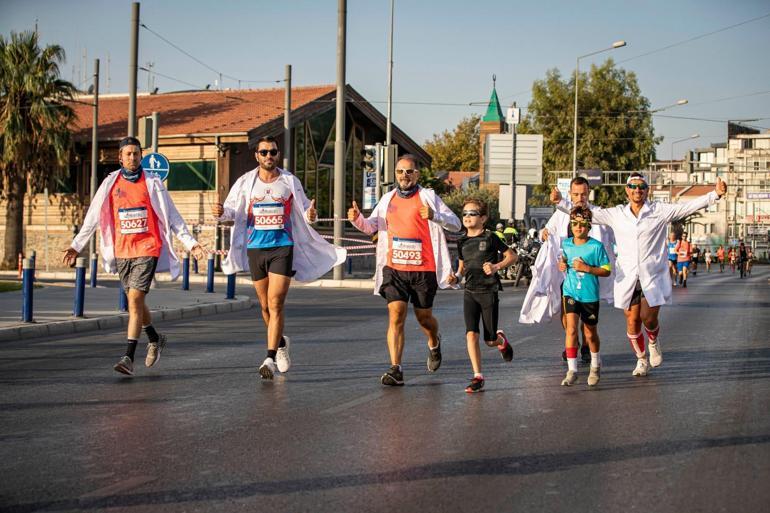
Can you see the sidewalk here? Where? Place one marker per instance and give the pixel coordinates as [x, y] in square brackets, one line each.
[53, 302]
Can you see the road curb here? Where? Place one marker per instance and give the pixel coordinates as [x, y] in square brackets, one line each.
[69, 326]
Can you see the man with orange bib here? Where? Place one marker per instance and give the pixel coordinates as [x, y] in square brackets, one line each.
[412, 259]
[136, 219]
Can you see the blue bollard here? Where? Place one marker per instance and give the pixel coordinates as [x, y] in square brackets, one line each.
[27, 277]
[80, 287]
[195, 265]
[122, 298]
[210, 275]
[230, 286]
[94, 268]
[350, 266]
[186, 271]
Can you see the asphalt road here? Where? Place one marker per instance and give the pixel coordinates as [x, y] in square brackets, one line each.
[201, 432]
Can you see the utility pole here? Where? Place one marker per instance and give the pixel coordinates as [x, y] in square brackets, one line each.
[287, 150]
[339, 141]
[94, 147]
[132, 68]
[390, 77]
[155, 129]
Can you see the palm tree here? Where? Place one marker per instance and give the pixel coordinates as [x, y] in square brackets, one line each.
[34, 127]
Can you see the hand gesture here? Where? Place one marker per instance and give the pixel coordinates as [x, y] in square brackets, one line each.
[490, 268]
[544, 234]
[217, 210]
[452, 279]
[353, 212]
[198, 252]
[555, 195]
[312, 213]
[580, 266]
[562, 265]
[69, 257]
[720, 188]
[425, 211]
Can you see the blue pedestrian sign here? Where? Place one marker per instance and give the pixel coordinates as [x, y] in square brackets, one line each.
[156, 163]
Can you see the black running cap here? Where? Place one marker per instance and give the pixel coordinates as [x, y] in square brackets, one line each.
[129, 141]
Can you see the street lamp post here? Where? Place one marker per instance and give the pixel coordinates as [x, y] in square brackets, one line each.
[616, 44]
[671, 165]
[683, 101]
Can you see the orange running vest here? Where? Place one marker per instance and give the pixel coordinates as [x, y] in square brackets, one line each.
[136, 225]
[411, 248]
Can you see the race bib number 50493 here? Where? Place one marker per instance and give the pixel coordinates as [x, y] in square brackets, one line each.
[407, 251]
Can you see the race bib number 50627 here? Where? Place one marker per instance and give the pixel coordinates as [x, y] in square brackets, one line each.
[133, 220]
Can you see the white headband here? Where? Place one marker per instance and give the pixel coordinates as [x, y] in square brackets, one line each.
[636, 177]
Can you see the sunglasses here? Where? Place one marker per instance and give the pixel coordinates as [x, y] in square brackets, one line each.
[407, 172]
[264, 153]
[640, 186]
[471, 213]
[585, 224]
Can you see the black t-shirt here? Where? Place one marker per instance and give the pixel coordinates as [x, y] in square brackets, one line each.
[474, 251]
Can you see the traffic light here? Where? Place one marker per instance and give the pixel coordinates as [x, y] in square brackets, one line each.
[370, 158]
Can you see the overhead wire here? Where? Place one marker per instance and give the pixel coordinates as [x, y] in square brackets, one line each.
[191, 56]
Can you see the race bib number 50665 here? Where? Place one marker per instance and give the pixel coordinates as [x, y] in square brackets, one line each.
[133, 220]
[268, 216]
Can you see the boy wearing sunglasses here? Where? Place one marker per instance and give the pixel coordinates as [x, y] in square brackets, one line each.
[584, 260]
[642, 280]
[478, 251]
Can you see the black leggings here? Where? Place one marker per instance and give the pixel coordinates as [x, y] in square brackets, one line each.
[481, 305]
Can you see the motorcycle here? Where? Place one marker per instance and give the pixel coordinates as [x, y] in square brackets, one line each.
[527, 252]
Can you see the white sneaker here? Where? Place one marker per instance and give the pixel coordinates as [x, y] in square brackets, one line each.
[282, 359]
[570, 379]
[656, 354]
[268, 369]
[642, 367]
[593, 376]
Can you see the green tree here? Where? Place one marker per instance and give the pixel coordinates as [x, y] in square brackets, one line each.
[34, 127]
[615, 130]
[457, 150]
[429, 179]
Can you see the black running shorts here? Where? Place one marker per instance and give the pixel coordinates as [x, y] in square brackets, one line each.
[270, 260]
[484, 306]
[137, 273]
[638, 295]
[418, 286]
[588, 312]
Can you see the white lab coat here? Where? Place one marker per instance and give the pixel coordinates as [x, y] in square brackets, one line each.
[169, 222]
[642, 248]
[543, 299]
[559, 224]
[313, 256]
[443, 217]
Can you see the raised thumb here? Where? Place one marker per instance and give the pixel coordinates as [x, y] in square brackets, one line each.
[312, 203]
[355, 205]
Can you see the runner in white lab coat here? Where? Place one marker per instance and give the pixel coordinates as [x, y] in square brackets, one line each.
[642, 280]
[271, 238]
[559, 224]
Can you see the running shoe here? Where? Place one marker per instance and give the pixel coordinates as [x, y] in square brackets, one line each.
[585, 353]
[476, 385]
[282, 360]
[268, 369]
[125, 366]
[506, 351]
[564, 355]
[570, 379]
[393, 377]
[154, 349]
[656, 353]
[642, 367]
[593, 376]
[434, 357]
[684, 284]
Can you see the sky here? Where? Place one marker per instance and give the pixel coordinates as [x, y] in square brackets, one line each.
[445, 51]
